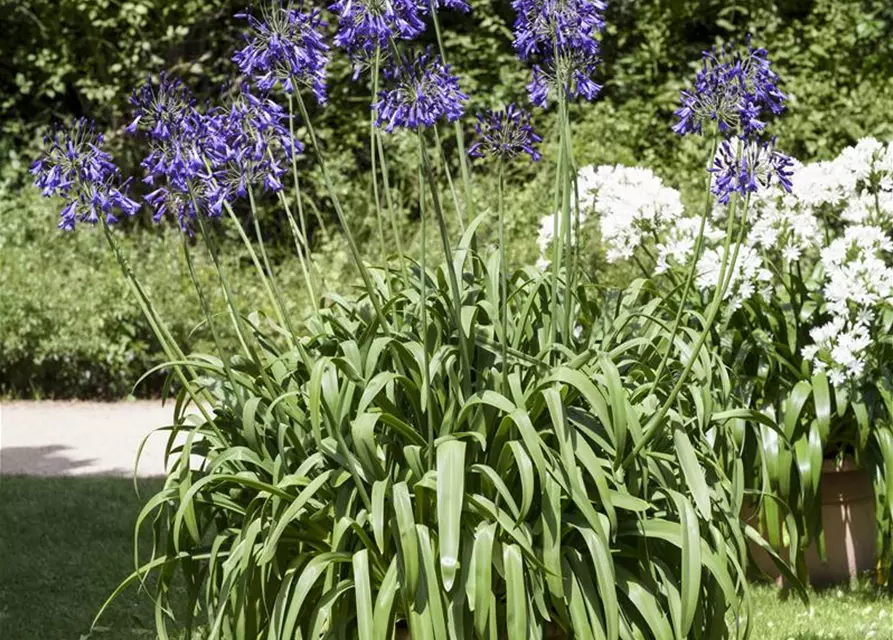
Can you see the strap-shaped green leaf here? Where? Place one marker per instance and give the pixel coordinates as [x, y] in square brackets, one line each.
[693, 472]
[450, 498]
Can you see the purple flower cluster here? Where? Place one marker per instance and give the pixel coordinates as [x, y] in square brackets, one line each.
[560, 37]
[74, 166]
[366, 27]
[285, 47]
[735, 89]
[166, 114]
[179, 148]
[743, 167]
[254, 140]
[197, 161]
[421, 92]
[505, 134]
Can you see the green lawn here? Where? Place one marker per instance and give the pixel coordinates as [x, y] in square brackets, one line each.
[66, 543]
[856, 613]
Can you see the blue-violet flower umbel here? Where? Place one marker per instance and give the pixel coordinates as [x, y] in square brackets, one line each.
[735, 89]
[74, 166]
[560, 38]
[420, 93]
[746, 166]
[366, 27]
[285, 46]
[505, 134]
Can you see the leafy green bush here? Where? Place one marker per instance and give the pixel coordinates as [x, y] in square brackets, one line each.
[364, 482]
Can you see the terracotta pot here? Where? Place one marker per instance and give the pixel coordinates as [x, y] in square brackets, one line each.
[848, 520]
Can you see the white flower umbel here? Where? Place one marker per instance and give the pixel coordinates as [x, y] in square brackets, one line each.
[840, 348]
[821, 183]
[858, 183]
[679, 242]
[748, 276]
[857, 163]
[632, 203]
[858, 283]
[856, 274]
[781, 226]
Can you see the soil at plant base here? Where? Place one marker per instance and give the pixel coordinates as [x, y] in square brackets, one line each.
[82, 438]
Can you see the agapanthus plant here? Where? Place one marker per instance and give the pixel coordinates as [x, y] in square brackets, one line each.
[285, 47]
[74, 166]
[485, 455]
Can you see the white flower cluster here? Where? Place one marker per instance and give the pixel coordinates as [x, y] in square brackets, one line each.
[747, 277]
[783, 226]
[678, 242]
[632, 204]
[857, 282]
[860, 179]
[831, 231]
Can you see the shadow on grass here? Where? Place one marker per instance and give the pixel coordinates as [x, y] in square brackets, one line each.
[52, 460]
[66, 544]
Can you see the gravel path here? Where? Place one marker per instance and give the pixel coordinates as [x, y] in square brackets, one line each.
[81, 438]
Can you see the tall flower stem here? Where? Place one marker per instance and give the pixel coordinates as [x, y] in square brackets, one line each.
[567, 180]
[557, 239]
[392, 211]
[209, 317]
[376, 63]
[302, 245]
[457, 127]
[264, 278]
[170, 347]
[228, 297]
[342, 220]
[294, 173]
[282, 312]
[449, 176]
[450, 265]
[423, 301]
[303, 257]
[690, 276]
[503, 298]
